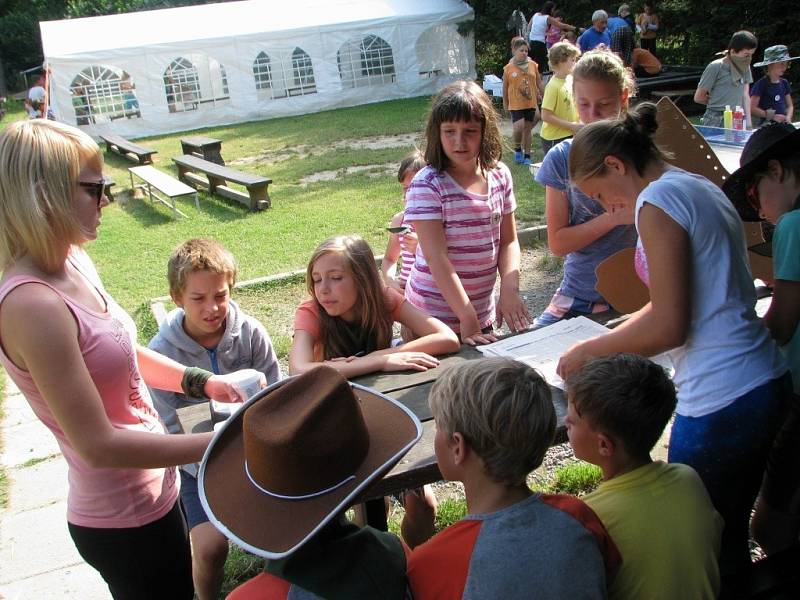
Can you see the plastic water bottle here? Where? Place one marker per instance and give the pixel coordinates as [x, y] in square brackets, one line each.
[738, 124]
[727, 122]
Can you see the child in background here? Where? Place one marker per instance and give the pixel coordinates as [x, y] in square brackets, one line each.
[726, 81]
[495, 551]
[559, 117]
[553, 34]
[462, 207]
[659, 515]
[521, 84]
[578, 227]
[771, 96]
[767, 186]
[402, 244]
[210, 331]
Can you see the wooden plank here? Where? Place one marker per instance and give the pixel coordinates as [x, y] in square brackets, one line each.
[128, 149]
[209, 168]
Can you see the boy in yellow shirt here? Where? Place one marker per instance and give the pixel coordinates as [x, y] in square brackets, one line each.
[559, 117]
[659, 514]
[521, 83]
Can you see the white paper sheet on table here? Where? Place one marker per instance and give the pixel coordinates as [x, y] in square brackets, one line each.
[542, 348]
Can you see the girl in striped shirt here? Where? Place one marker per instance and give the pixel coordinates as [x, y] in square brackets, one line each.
[402, 238]
[462, 208]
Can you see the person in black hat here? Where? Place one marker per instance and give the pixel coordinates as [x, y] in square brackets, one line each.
[767, 186]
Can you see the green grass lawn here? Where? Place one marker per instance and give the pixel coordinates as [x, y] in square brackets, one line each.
[136, 237]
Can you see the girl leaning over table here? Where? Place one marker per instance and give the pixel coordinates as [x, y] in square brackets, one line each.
[733, 384]
[72, 351]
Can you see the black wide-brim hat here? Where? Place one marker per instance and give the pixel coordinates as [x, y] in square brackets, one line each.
[297, 454]
[775, 140]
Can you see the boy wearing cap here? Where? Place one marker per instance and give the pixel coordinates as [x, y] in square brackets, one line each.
[771, 96]
[210, 331]
[767, 186]
[495, 420]
[659, 514]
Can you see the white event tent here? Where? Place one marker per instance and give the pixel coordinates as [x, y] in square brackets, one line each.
[162, 71]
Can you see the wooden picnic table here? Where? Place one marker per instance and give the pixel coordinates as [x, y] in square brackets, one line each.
[207, 148]
[418, 466]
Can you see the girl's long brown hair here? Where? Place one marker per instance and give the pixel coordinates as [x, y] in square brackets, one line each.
[372, 329]
[463, 101]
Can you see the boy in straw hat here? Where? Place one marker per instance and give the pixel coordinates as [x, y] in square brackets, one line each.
[494, 420]
[767, 186]
[771, 96]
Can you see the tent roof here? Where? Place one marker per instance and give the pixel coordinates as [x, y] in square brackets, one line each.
[231, 19]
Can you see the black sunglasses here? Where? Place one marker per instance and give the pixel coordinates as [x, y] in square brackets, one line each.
[98, 188]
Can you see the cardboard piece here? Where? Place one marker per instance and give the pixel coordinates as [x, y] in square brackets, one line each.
[689, 149]
[619, 284]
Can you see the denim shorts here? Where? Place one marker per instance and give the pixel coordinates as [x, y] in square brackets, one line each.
[190, 501]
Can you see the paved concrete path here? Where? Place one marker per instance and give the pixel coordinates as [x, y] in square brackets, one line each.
[38, 560]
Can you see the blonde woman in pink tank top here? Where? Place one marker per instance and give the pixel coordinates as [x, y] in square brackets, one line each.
[72, 351]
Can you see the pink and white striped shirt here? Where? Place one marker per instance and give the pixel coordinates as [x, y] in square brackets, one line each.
[471, 225]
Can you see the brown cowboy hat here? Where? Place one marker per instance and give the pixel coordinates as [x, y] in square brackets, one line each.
[774, 140]
[296, 455]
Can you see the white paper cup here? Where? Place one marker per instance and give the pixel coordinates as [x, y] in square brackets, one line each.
[248, 381]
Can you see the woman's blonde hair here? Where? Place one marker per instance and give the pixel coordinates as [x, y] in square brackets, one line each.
[602, 64]
[40, 162]
[373, 329]
[629, 138]
[463, 101]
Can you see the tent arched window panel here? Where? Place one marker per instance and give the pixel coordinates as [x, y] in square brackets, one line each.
[285, 73]
[101, 94]
[441, 50]
[365, 62]
[193, 81]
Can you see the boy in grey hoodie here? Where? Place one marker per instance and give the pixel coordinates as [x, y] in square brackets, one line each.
[210, 331]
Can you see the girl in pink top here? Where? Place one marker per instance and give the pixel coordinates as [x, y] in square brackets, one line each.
[347, 324]
[462, 207]
[348, 321]
[72, 351]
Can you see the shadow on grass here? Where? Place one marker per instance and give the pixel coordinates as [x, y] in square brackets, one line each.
[145, 212]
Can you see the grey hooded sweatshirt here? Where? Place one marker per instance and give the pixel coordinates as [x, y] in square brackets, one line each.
[244, 345]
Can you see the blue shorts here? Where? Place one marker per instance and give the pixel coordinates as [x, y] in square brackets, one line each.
[190, 501]
[566, 307]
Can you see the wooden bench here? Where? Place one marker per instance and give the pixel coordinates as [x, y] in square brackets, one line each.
[203, 147]
[169, 186]
[133, 152]
[257, 197]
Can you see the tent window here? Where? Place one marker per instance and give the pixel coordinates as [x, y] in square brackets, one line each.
[441, 50]
[302, 74]
[262, 71]
[365, 62]
[193, 81]
[101, 94]
[182, 86]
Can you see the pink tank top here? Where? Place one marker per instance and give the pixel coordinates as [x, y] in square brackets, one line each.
[406, 260]
[104, 498]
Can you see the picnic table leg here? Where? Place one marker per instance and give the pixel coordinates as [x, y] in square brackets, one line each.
[196, 201]
[376, 514]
